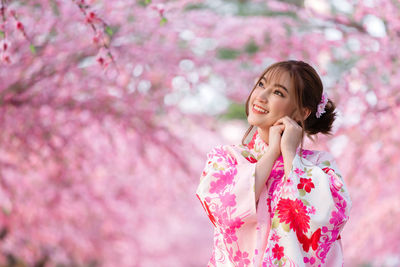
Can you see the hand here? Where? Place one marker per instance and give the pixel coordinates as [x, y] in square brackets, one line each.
[274, 143]
[291, 137]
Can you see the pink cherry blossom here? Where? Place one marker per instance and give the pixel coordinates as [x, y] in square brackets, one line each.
[98, 158]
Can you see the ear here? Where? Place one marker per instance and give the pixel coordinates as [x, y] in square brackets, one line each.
[306, 112]
[297, 115]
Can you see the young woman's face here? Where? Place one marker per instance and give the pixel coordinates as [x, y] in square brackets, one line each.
[271, 100]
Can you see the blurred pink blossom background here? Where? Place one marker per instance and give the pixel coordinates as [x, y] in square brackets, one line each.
[108, 108]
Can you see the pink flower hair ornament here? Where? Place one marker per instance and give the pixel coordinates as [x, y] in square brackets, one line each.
[321, 105]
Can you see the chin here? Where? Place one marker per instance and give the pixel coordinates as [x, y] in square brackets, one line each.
[254, 122]
[250, 120]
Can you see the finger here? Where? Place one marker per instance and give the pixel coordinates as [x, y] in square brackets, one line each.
[279, 121]
[282, 121]
[281, 127]
[277, 128]
[287, 121]
[290, 121]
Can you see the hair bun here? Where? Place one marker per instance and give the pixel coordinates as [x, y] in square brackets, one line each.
[324, 123]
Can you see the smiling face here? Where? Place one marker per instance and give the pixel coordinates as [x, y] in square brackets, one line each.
[272, 98]
[288, 88]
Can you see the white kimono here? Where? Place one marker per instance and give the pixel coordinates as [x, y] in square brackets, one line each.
[294, 223]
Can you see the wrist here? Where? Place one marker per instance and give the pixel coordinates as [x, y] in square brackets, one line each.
[288, 158]
[289, 154]
[272, 153]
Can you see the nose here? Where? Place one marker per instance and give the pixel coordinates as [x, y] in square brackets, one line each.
[263, 96]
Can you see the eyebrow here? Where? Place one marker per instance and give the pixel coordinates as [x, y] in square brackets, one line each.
[278, 85]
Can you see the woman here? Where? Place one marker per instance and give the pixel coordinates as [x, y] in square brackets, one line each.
[271, 202]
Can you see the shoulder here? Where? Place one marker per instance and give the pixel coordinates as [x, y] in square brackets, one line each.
[231, 153]
[326, 162]
[317, 156]
[221, 153]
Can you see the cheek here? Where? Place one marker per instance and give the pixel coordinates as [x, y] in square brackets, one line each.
[281, 108]
[252, 96]
[285, 107]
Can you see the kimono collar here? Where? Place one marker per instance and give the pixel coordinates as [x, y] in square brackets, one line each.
[258, 146]
[259, 143]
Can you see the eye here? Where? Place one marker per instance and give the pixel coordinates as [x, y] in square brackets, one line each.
[260, 84]
[278, 93]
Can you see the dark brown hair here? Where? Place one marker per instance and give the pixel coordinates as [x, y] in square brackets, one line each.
[308, 90]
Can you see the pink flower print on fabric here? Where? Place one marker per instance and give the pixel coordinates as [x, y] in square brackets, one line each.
[231, 161]
[275, 237]
[334, 179]
[225, 178]
[306, 152]
[228, 200]
[312, 210]
[231, 202]
[230, 235]
[337, 217]
[242, 258]
[294, 213]
[269, 204]
[278, 251]
[236, 223]
[259, 143]
[289, 189]
[311, 260]
[223, 218]
[335, 234]
[221, 154]
[299, 172]
[306, 184]
[250, 145]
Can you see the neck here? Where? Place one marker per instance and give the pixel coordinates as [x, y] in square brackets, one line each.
[264, 134]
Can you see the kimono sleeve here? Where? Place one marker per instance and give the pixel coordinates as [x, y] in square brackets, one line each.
[227, 188]
[310, 210]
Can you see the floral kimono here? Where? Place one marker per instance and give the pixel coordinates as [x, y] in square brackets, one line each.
[296, 222]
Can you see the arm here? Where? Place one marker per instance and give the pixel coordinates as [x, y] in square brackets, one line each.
[287, 161]
[226, 188]
[263, 170]
[266, 162]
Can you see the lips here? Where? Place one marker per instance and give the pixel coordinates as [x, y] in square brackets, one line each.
[259, 110]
